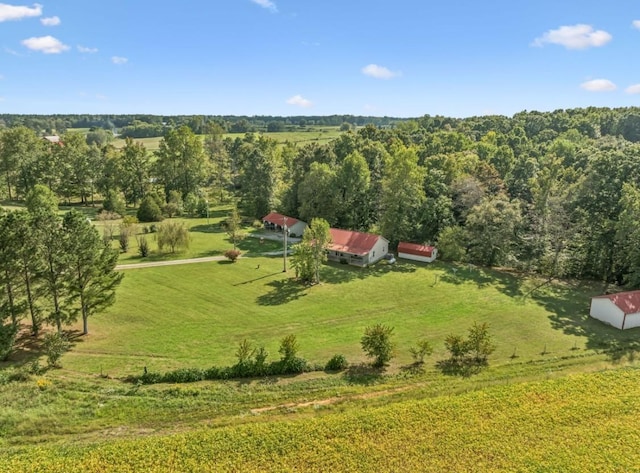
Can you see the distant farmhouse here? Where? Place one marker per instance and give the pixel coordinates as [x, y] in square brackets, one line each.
[415, 252]
[621, 310]
[358, 249]
[276, 222]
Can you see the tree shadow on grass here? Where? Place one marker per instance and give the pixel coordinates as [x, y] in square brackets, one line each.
[284, 291]
[207, 228]
[457, 274]
[364, 374]
[569, 306]
[28, 348]
[464, 369]
[336, 273]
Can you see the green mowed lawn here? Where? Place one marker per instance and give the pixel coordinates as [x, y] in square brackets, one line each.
[195, 315]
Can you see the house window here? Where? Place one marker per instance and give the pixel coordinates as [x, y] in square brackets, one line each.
[374, 254]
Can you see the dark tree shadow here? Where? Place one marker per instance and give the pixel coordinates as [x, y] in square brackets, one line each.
[507, 283]
[28, 348]
[207, 228]
[364, 374]
[569, 307]
[463, 369]
[257, 279]
[336, 273]
[413, 368]
[284, 291]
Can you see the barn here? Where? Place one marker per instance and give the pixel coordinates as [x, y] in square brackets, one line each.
[415, 252]
[276, 222]
[622, 310]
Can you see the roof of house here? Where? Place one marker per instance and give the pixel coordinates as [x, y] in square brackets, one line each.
[415, 249]
[52, 138]
[278, 219]
[352, 242]
[628, 302]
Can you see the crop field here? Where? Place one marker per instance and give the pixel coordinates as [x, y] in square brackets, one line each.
[578, 423]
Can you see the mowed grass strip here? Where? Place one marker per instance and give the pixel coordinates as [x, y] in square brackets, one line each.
[580, 423]
[195, 315]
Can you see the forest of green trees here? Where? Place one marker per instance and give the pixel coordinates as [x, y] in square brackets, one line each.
[557, 193]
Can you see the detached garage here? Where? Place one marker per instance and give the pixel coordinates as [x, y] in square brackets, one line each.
[621, 310]
[415, 252]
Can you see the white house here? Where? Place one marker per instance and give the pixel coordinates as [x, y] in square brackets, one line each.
[621, 310]
[415, 252]
[356, 248]
[276, 222]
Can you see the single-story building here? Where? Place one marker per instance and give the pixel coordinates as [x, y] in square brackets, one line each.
[415, 252]
[276, 222]
[356, 248]
[621, 310]
[53, 139]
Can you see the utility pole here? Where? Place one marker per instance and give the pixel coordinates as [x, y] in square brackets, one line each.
[284, 231]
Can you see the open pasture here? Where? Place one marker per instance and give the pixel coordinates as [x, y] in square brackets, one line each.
[195, 315]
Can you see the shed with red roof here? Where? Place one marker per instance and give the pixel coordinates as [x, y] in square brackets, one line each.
[622, 310]
[276, 222]
[356, 248]
[415, 252]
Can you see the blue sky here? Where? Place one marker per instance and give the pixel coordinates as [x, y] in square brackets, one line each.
[402, 58]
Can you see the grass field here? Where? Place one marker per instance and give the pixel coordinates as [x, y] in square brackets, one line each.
[195, 315]
[320, 135]
[574, 424]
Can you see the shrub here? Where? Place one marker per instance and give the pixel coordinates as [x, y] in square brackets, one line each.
[170, 209]
[113, 202]
[123, 239]
[55, 345]
[149, 211]
[257, 224]
[232, 255]
[143, 247]
[129, 220]
[376, 343]
[422, 349]
[336, 363]
[202, 209]
[191, 205]
[173, 234]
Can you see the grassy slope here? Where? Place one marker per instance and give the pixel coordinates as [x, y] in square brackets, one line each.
[580, 423]
[195, 315]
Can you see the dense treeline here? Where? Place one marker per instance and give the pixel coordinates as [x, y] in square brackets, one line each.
[556, 193]
[53, 269]
[142, 126]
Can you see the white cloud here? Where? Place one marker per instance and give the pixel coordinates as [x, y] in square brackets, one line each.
[636, 24]
[119, 60]
[300, 101]
[574, 37]
[598, 85]
[633, 89]
[45, 44]
[379, 72]
[84, 49]
[11, 51]
[268, 4]
[51, 21]
[15, 12]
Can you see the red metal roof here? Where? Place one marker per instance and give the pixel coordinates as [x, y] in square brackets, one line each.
[415, 249]
[278, 219]
[355, 243]
[628, 302]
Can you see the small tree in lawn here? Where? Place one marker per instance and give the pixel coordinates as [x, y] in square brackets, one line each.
[422, 349]
[377, 344]
[232, 255]
[311, 252]
[479, 343]
[234, 226]
[174, 235]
